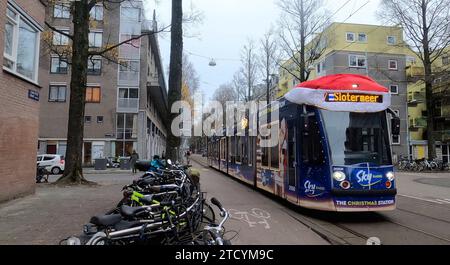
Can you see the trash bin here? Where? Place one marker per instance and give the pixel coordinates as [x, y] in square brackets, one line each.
[100, 164]
[125, 164]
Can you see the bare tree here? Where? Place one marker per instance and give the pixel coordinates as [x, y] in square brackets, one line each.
[249, 69]
[225, 93]
[239, 85]
[77, 51]
[426, 24]
[301, 34]
[190, 75]
[268, 58]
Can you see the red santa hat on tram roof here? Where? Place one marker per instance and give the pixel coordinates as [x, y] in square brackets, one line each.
[342, 92]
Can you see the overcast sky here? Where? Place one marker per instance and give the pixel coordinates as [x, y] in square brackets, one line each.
[226, 26]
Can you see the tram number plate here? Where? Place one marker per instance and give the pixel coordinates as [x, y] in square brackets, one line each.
[353, 97]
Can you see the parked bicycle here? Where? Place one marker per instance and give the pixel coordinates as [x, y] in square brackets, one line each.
[163, 207]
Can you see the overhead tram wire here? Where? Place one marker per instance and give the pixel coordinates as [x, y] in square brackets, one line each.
[323, 24]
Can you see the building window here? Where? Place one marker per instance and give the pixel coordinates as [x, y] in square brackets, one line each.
[350, 36]
[393, 65]
[320, 67]
[57, 93]
[95, 39]
[446, 60]
[130, 13]
[61, 11]
[126, 126]
[21, 45]
[358, 61]
[87, 119]
[58, 66]
[97, 13]
[362, 37]
[93, 95]
[391, 40]
[396, 140]
[393, 89]
[99, 119]
[94, 66]
[128, 93]
[60, 39]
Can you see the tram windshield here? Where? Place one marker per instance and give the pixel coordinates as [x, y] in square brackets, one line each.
[356, 138]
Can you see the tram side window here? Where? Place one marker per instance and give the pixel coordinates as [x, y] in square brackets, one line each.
[264, 154]
[275, 155]
[245, 151]
[238, 149]
[312, 145]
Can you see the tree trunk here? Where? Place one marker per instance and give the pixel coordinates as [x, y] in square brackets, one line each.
[73, 172]
[175, 75]
[302, 44]
[428, 84]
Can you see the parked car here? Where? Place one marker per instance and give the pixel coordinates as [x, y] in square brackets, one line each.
[53, 163]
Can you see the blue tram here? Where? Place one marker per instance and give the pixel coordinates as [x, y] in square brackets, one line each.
[333, 152]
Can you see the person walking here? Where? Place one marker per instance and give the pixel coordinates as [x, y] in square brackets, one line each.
[188, 156]
[134, 158]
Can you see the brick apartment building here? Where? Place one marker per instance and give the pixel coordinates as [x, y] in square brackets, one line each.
[20, 85]
[125, 102]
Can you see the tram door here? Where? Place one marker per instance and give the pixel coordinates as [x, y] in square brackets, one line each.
[292, 192]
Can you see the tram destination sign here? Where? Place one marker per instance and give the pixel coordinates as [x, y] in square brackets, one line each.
[353, 98]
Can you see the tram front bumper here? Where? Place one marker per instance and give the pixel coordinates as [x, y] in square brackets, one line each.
[338, 192]
[364, 200]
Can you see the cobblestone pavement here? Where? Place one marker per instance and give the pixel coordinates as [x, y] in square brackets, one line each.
[55, 213]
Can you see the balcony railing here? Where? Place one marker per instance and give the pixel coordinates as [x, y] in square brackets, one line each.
[413, 71]
[443, 136]
[129, 78]
[416, 97]
[128, 105]
[419, 122]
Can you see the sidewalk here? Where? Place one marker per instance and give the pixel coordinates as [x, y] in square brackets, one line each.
[89, 170]
[55, 213]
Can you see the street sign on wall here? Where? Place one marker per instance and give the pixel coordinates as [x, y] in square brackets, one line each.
[34, 95]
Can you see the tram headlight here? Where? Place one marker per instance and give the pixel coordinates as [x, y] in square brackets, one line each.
[390, 176]
[339, 176]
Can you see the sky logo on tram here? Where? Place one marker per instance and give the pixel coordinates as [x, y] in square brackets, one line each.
[366, 179]
[313, 190]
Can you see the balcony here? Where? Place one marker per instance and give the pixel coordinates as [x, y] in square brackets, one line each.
[416, 98]
[414, 72]
[128, 78]
[443, 136]
[128, 105]
[417, 123]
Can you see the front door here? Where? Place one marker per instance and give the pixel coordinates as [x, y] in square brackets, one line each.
[291, 187]
[87, 153]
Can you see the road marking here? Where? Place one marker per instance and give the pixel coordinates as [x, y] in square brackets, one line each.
[260, 215]
[443, 201]
[421, 199]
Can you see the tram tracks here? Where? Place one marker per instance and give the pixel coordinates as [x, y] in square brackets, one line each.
[337, 229]
[340, 233]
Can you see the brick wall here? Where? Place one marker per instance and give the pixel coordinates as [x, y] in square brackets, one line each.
[19, 117]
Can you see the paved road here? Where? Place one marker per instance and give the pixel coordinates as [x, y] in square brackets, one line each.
[422, 215]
